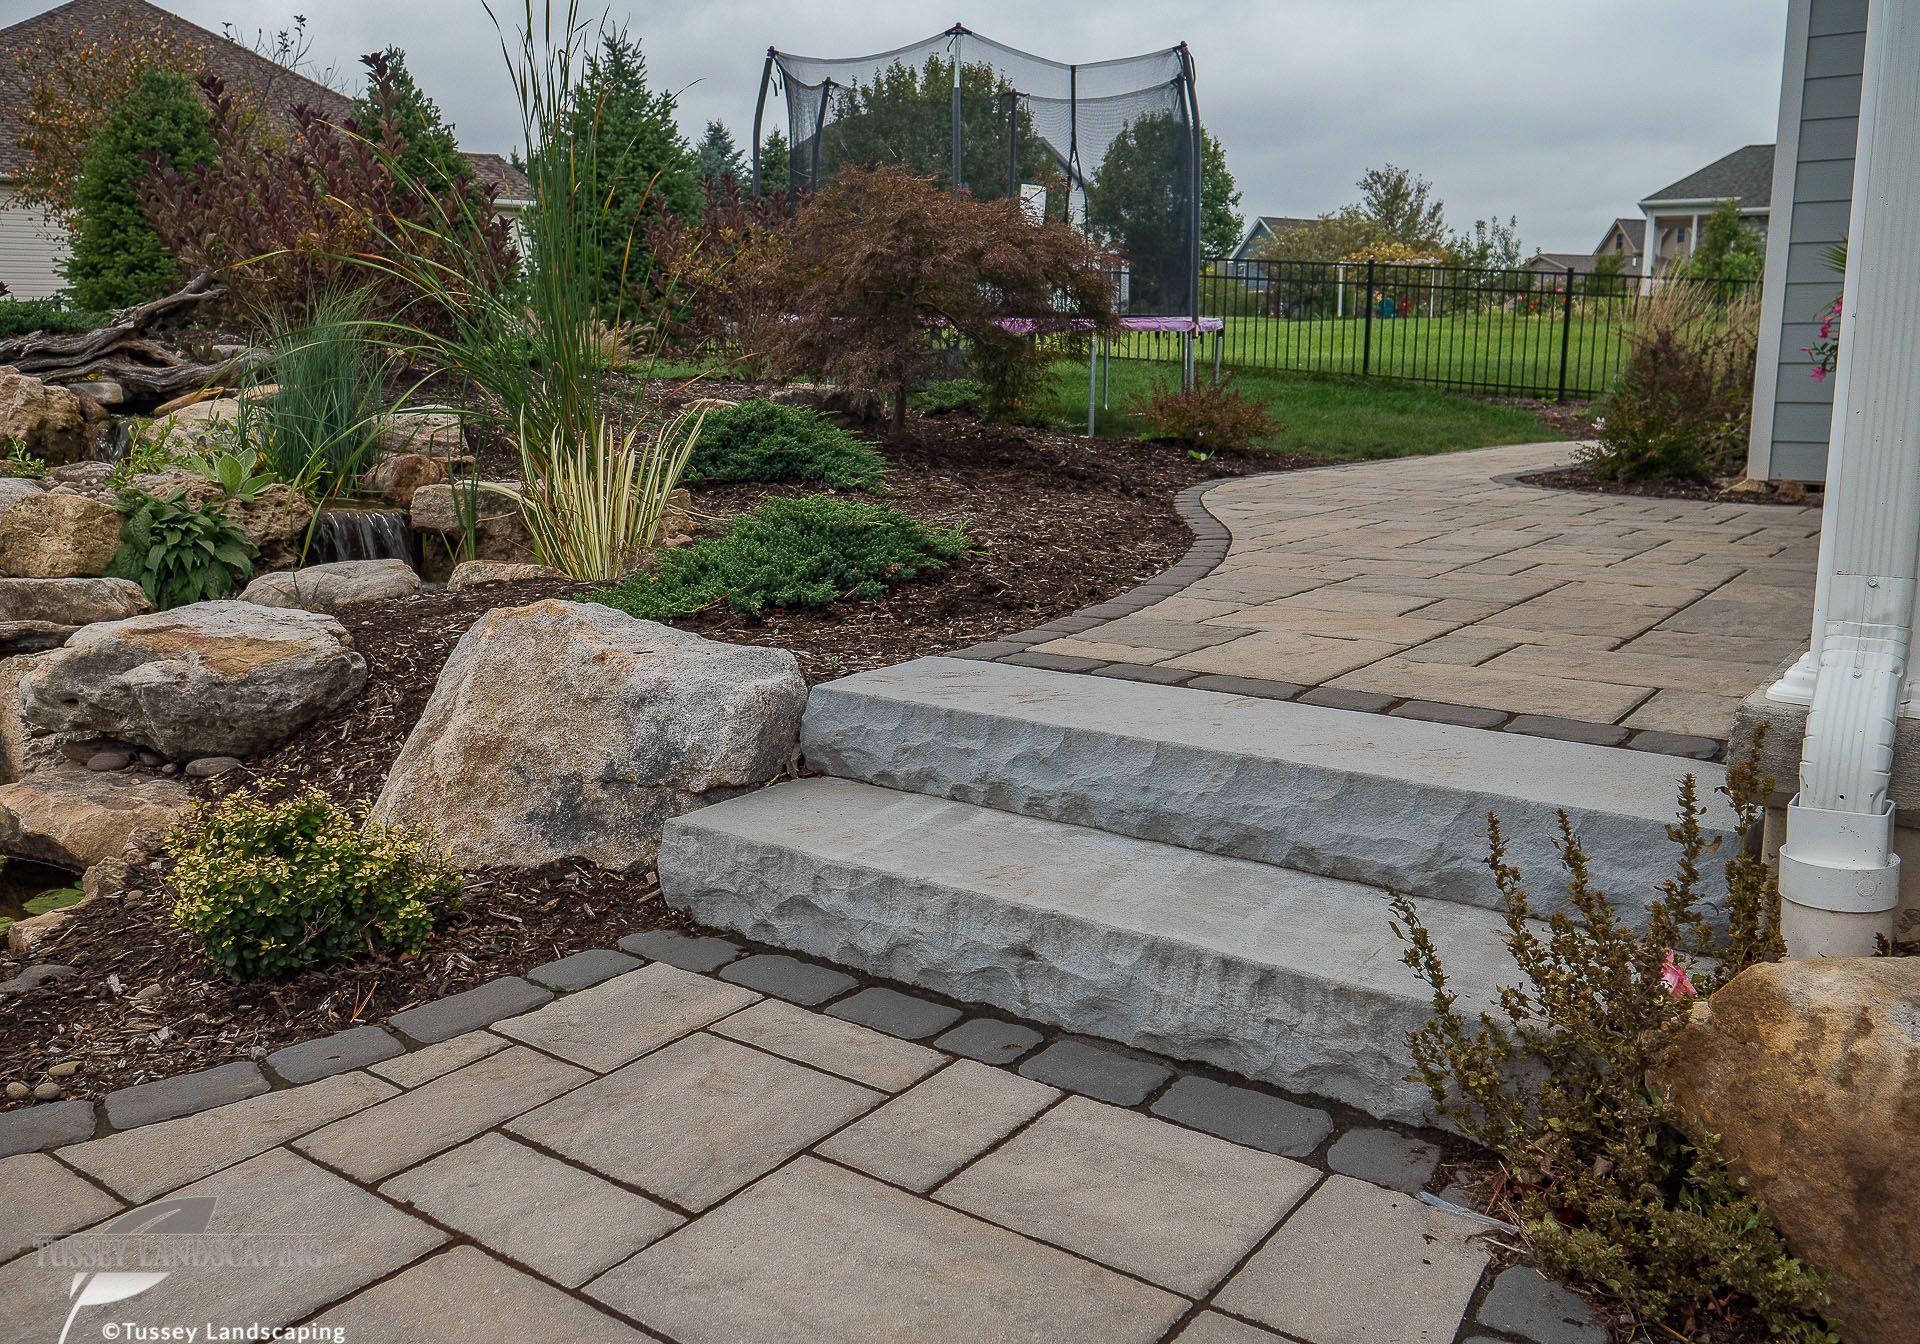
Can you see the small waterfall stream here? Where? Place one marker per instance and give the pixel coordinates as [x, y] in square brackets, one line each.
[362, 534]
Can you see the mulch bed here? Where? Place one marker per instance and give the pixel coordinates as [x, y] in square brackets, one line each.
[1057, 522]
[1582, 478]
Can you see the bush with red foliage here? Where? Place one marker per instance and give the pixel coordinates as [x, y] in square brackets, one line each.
[1210, 415]
[880, 272]
[287, 222]
[714, 282]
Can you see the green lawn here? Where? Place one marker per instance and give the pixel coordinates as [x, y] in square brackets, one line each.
[1341, 418]
[1496, 351]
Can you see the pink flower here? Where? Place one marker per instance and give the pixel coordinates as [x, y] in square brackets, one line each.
[1674, 976]
[1819, 374]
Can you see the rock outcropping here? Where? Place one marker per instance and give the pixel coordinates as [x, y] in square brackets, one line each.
[334, 586]
[210, 679]
[571, 730]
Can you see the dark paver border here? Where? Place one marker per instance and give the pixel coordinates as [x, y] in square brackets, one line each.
[1211, 541]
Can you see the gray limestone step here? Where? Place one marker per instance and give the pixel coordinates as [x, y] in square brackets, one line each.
[1279, 975]
[1371, 798]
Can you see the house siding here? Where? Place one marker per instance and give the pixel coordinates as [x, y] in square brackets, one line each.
[1793, 414]
[31, 247]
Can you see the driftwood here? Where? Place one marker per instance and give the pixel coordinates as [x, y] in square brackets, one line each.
[123, 353]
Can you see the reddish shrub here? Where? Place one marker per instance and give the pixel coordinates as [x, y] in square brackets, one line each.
[1212, 415]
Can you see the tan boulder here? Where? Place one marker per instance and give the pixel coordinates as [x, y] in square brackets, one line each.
[75, 818]
[396, 478]
[54, 534]
[22, 749]
[471, 574]
[500, 533]
[48, 421]
[332, 587]
[1809, 1071]
[430, 431]
[71, 601]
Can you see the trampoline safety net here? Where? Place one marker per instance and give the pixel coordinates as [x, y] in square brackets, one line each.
[1112, 146]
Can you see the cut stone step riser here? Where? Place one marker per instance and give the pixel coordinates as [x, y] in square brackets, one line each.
[1038, 922]
[1204, 785]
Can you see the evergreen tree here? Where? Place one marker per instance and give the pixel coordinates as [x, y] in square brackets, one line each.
[1221, 226]
[632, 159]
[431, 155]
[718, 157]
[776, 163]
[117, 259]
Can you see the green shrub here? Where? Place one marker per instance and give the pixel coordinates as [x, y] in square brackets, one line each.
[21, 317]
[1210, 415]
[177, 553]
[117, 258]
[20, 462]
[789, 553]
[1685, 400]
[1610, 1189]
[272, 888]
[761, 441]
[948, 396]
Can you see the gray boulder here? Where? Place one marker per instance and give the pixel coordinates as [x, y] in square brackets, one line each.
[71, 601]
[471, 574]
[210, 679]
[571, 730]
[333, 586]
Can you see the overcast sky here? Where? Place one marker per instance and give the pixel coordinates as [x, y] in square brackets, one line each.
[1561, 112]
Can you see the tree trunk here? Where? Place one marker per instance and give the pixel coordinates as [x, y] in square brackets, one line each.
[899, 430]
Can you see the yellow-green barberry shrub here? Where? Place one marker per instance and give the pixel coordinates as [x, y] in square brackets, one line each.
[272, 887]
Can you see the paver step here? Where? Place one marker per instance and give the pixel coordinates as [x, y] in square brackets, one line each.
[1279, 975]
[1386, 801]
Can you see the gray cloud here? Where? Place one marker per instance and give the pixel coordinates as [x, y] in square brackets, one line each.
[1562, 114]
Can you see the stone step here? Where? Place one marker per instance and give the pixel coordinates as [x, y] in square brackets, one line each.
[1385, 801]
[1278, 975]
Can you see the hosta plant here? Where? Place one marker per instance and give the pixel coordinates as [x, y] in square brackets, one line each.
[178, 553]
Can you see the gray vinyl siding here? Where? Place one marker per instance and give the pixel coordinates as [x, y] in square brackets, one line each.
[1822, 197]
[30, 250]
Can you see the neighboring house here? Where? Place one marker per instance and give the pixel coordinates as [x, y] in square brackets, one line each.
[1263, 230]
[1559, 263]
[32, 245]
[1812, 196]
[1626, 239]
[1671, 216]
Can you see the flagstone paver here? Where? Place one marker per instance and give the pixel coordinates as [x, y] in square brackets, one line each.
[532, 1208]
[817, 1253]
[920, 1137]
[720, 1189]
[1439, 580]
[1081, 1175]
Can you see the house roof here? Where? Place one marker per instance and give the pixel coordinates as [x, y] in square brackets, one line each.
[1746, 176]
[1634, 226]
[1562, 261]
[236, 64]
[1271, 225]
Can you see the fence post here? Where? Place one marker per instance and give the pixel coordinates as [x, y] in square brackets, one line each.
[1566, 334]
[1366, 327]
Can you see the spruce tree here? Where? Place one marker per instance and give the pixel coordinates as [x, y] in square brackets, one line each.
[116, 258]
[718, 157]
[432, 154]
[776, 163]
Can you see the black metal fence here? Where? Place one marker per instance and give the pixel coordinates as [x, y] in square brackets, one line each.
[1535, 333]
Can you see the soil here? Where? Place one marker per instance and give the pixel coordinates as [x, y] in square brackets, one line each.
[1056, 522]
[1582, 478]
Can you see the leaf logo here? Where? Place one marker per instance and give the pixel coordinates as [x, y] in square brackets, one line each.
[188, 1216]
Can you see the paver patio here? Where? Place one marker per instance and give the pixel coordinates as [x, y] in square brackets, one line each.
[666, 1155]
[1430, 586]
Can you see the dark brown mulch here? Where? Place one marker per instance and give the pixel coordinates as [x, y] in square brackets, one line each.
[1057, 523]
[146, 1005]
[1582, 478]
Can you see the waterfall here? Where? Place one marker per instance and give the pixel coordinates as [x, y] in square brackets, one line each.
[362, 534]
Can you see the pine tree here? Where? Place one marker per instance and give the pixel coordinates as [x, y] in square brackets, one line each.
[639, 162]
[117, 259]
[718, 157]
[776, 163]
[431, 155]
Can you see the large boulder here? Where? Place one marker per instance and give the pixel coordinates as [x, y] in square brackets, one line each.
[57, 534]
[395, 479]
[471, 574]
[571, 730]
[71, 601]
[47, 421]
[334, 586]
[210, 679]
[500, 532]
[76, 818]
[210, 424]
[22, 750]
[275, 520]
[430, 431]
[1809, 1071]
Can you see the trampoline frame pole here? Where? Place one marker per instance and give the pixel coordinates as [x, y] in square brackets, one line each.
[1093, 382]
[759, 110]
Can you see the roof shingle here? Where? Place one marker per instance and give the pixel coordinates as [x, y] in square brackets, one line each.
[1746, 176]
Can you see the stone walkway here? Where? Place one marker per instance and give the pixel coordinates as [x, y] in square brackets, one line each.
[1433, 588]
[681, 1142]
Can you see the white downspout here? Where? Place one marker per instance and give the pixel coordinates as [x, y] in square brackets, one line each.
[1839, 877]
